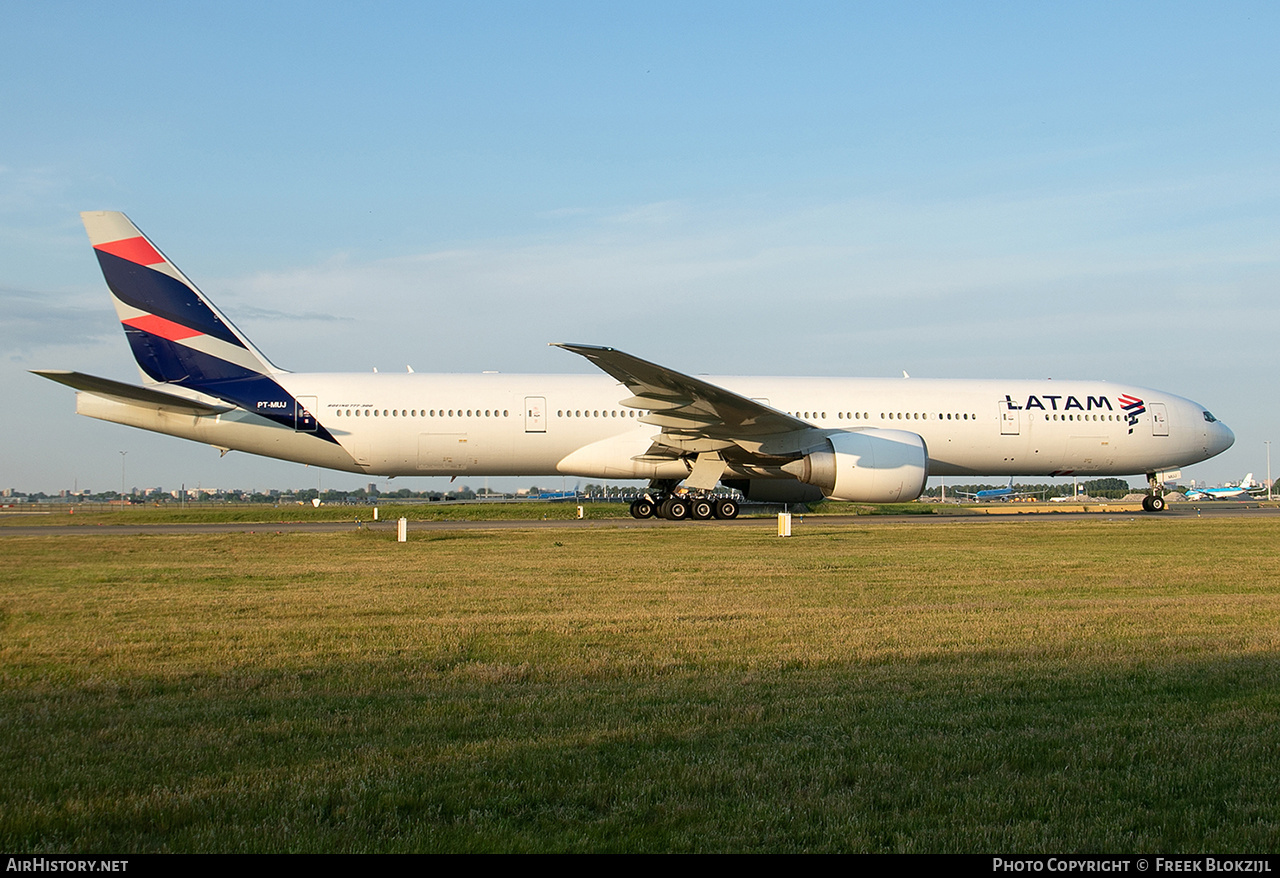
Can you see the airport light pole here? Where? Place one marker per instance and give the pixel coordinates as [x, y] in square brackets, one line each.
[1267, 442]
[122, 456]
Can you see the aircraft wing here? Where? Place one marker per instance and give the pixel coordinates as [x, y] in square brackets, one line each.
[682, 404]
[715, 427]
[130, 392]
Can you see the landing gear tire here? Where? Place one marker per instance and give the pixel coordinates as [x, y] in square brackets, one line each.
[641, 509]
[674, 509]
[1157, 504]
[726, 509]
[701, 509]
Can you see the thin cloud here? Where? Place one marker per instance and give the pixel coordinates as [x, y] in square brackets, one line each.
[32, 321]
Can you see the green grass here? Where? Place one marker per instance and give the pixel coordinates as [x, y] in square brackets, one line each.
[89, 515]
[1100, 685]
[260, 513]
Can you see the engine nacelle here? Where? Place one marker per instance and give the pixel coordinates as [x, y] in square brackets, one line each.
[866, 466]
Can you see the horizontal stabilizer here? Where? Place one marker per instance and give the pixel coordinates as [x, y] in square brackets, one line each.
[129, 392]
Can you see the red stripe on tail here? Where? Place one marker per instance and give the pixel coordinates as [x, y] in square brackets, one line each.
[137, 250]
[161, 327]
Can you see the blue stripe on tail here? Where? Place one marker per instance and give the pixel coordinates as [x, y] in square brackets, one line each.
[187, 367]
[157, 293]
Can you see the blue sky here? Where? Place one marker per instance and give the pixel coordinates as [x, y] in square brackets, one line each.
[1011, 190]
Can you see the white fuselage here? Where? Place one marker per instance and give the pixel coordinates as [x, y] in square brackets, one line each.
[528, 425]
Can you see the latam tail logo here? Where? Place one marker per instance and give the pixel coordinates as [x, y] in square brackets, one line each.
[1132, 407]
[179, 337]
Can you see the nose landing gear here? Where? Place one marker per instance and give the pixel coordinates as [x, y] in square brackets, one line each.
[1154, 502]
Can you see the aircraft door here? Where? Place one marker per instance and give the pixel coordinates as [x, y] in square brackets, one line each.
[1009, 420]
[535, 414]
[1159, 419]
[303, 419]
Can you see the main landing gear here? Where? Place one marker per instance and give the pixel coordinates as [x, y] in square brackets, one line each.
[675, 507]
[1154, 502]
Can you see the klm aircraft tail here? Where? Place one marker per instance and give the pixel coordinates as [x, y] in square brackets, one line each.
[177, 335]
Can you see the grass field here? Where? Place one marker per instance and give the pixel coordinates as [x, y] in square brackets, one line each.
[1002, 686]
[258, 513]
[88, 515]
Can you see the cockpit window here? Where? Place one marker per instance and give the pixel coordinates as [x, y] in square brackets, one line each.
[1208, 416]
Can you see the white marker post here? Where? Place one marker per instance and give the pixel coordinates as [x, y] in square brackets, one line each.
[784, 524]
[402, 530]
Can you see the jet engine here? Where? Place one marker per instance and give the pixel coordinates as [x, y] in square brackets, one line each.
[866, 466]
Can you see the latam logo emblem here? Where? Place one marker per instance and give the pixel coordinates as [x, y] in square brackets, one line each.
[1132, 407]
[1049, 402]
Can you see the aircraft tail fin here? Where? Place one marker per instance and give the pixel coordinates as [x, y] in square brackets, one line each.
[177, 335]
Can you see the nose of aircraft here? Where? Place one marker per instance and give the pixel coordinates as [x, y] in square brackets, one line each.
[1220, 438]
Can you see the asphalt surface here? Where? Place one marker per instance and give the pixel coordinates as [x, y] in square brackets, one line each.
[69, 527]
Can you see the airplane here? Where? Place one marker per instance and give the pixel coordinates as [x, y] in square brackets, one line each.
[555, 495]
[1248, 489]
[782, 439]
[1005, 493]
